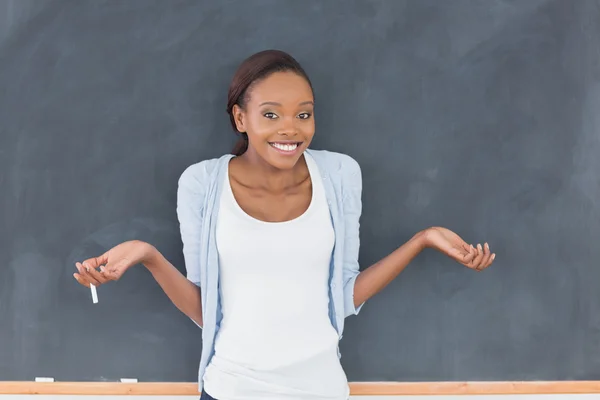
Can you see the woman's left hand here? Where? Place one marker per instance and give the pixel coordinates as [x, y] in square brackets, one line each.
[449, 243]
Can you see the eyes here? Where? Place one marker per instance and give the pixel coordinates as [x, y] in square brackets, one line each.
[272, 115]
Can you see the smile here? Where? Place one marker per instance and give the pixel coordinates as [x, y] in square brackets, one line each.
[285, 148]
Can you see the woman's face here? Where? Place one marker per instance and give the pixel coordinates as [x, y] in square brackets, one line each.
[278, 118]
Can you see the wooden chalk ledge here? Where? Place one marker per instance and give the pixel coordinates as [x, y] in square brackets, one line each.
[356, 388]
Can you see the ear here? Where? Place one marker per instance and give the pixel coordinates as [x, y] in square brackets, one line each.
[238, 117]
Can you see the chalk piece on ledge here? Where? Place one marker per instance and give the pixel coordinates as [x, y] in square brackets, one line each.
[43, 379]
[129, 380]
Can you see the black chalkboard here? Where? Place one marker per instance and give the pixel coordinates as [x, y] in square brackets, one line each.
[481, 116]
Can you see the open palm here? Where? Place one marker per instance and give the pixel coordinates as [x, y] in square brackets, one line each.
[449, 243]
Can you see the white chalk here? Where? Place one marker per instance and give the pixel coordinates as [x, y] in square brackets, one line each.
[94, 293]
[43, 379]
[129, 380]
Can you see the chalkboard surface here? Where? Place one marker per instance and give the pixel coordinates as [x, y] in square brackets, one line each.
[481, 116]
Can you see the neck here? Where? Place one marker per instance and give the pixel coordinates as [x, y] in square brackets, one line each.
[266, 176]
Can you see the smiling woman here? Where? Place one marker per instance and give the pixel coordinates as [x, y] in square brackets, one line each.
[288, 85]
[277, 113]
[271, 243]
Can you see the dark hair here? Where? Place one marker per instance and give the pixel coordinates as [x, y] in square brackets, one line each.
[256, 67]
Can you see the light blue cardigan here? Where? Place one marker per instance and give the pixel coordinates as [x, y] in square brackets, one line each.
[199, 190]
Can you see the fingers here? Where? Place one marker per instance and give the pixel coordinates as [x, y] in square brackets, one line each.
[110, 273]
[470, 254]
[81, 280]
[86, 273]
[97, 271]
[483, 258]
[81, 276]
[96, 262]
[100, 278]
[491, 260]
[478, 258]
[487, 254]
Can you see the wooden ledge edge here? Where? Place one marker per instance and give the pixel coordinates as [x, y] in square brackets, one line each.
[356, 388]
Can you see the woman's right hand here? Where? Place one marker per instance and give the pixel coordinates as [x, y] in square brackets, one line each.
[112, 265]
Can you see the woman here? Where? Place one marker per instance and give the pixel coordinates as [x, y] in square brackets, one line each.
[270, 239]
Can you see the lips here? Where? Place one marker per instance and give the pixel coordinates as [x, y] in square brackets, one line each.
[285, 148]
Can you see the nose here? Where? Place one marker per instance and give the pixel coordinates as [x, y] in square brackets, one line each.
[288, 127]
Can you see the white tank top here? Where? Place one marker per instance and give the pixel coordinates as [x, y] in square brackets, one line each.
[275, 340]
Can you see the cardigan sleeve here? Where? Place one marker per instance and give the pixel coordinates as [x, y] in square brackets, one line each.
[352, 207]
[190, 200]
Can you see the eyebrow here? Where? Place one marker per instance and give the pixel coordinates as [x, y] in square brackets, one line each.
[273, 103]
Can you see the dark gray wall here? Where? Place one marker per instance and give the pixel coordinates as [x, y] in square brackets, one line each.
[482, 116]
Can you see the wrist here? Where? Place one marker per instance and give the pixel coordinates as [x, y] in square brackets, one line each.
[422, 239]
[149, 255]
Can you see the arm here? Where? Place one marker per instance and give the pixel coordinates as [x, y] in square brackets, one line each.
[361, 286]
[115, 262]
[184, 294]
[372, 280]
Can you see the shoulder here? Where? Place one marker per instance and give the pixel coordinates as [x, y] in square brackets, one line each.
[333, 162]
[198, 176]
[338, 164]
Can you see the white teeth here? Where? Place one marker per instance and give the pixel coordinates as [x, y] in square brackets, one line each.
[285, 147]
